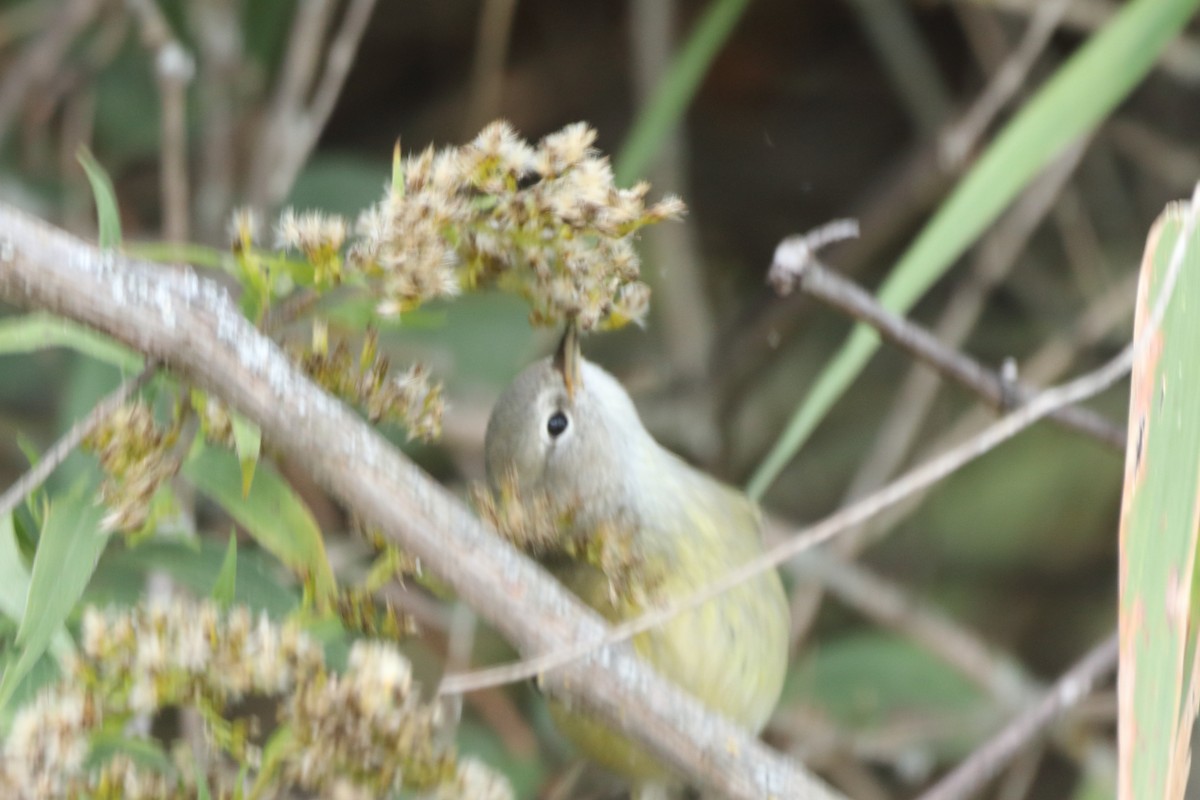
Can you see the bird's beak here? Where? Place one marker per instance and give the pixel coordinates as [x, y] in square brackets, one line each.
[567, 358]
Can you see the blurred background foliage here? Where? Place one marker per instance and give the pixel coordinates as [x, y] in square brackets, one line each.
[807, 112]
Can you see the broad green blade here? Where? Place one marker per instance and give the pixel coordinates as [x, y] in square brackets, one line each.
[271, 512]
[1071, 104]
[14, 587]
[69, 546]
[1160, 515]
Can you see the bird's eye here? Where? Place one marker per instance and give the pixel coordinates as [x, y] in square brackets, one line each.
[556, 424]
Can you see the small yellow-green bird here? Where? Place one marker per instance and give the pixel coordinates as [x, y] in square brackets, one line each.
[566, 429]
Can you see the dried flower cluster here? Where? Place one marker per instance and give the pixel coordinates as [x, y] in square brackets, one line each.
[408, 399]
[531, 521]
[369, 724]
[545, 221]
[320, 237]
[548, 528]
[137, 456]
[362, 734]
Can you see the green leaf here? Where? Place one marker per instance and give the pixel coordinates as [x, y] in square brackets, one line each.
[271, 512]
[1160, 515]
[179, 252]
[397, 172]
[223, 587]
[279, 747]
[1070, 105]
[107, 217]
[876, 680]
[14, 578]
[195, 565]
[247, 442]
[69, 546]
[38, 331]
[14, 586]
[666, 105]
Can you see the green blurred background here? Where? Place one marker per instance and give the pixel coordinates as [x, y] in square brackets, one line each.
[808, 112]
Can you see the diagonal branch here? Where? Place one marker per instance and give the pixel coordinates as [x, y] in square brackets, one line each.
[1068, 691]
[818, 280]
[190, 325]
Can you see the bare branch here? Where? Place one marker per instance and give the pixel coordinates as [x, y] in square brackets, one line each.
[190, 325]
[220, 47]
[294, 125]
[995, 388]
[487, 72]
[40, 59]
[1180, 59]
[960, 139]
[174, 68]
[1074, 685]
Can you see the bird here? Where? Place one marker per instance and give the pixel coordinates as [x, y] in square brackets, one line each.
[566, 431]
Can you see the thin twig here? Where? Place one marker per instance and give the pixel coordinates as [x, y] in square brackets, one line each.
[292, 133]
[983, 765]
[1180, 58]
[960, 139]
[42, 57]
[487, 72]
[300, 63]
[67, 443]
[996, 389]
[337, 67]
[1037, 408]
[684, 311]
[174, 69]
[220, 47]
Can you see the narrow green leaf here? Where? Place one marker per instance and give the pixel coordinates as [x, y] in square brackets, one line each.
[226, 582]
[30, 333]
[202, 790]
[247, 441]
[14, 586]
[279, 746]
[180, 252]
[397, 172]
[69, 546]
[666, 105]
[1071, 104]
[271, 512]
[107, 217]
[1160, 523]
[14, 578]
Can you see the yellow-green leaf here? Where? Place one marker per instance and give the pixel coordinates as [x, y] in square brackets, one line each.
[107, 217]
[1160, 516]
[247, 441]
[69, 546]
